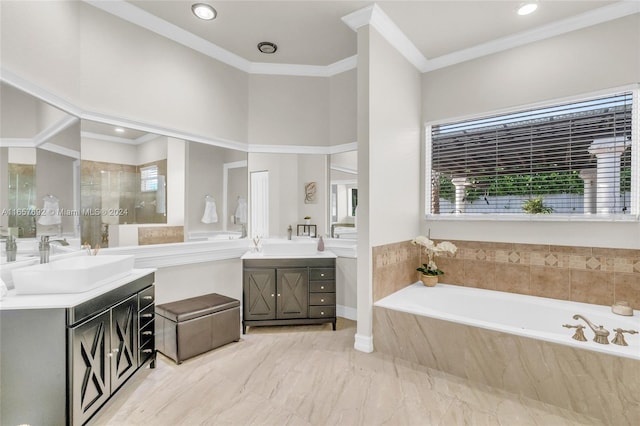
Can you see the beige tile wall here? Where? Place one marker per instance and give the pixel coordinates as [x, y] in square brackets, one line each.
[582, 274]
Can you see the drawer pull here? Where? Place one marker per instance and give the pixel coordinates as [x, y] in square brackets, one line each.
[273, 295]
[322, 275]
[321, 287]
[147, 351]
[321, 312]
[147, 333]
[147, 297]
[146, 316]
[322, 300]
[278, 294]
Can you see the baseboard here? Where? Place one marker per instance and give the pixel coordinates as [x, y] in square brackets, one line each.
[347, 312]
[363, 343]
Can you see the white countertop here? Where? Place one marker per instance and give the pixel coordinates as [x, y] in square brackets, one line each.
[66, 300]
[318, 255]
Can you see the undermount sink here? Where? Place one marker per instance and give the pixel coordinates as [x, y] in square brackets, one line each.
[71, 275]
[289, 247]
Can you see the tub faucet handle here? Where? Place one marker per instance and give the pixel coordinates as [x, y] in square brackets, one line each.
[579, 334]
[619, 337]
[601, 334]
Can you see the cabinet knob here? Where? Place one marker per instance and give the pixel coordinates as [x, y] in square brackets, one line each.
[147, 333]
[322, 275]
[147, 315]
[147, 351]
[321, 287]
[278, 294]
[322, 300]
[147, 297]
[272, 294]
[321, 313]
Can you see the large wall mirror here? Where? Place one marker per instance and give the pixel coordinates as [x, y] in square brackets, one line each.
[84, 180]
[39, 164]
[344, 195]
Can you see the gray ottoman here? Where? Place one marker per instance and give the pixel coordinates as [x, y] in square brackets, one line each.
[193, 326]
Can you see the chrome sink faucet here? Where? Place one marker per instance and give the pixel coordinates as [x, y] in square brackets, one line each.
[601, 333]
[45, 246]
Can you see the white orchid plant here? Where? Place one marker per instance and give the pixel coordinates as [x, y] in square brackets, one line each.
[432, 250]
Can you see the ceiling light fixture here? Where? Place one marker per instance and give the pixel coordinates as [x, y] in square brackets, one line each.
[119, 130]
[267, 47]
[527, 8]
[204, 11]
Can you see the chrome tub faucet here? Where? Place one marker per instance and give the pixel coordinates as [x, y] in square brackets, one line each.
[601, 333]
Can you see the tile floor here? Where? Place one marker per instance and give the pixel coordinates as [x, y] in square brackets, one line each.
[311, 375]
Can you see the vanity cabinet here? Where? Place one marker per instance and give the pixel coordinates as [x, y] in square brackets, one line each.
[288, 292]
[63, 364]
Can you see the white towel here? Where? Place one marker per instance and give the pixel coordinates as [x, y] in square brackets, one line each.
[241, 211]
[50, 214]
[210, 214]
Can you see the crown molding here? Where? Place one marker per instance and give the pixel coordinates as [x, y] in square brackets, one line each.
[144, 19]
[584, 20]
[301, 149]
[16, 143]
[373, 15]
[51, 131]
[60, 150]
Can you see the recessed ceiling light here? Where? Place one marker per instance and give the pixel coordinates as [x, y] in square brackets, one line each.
[119, 130]
[204, 11]
[527, 8]
[267, 47]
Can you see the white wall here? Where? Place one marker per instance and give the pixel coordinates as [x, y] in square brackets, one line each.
[388, 160]
[204, 177]
[176, 188]
[343, 112]
[575, 64]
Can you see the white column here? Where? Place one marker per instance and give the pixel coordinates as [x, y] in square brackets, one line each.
[589, 198]
[608, 152]
[460, 183]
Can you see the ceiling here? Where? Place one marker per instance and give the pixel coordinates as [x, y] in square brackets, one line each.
[313, 33]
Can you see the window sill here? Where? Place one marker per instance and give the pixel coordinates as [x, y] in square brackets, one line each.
[532, 217]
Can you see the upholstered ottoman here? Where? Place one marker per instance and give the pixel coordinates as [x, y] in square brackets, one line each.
[193, 326]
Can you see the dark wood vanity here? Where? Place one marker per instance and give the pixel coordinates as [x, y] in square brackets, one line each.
[289, 291]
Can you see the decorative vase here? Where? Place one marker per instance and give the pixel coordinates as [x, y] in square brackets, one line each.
[429, 280]
[320, 244]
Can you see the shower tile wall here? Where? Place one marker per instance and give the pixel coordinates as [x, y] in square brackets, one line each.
[582, 274]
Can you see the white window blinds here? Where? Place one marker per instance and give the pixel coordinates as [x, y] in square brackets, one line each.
[149, 178]
[567, 159]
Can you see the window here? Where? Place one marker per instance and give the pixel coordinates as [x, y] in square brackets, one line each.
[149, 178]
[569, 159]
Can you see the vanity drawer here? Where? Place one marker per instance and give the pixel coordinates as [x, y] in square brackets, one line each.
[146, 352]
[146, 333]
[322, 299]
[146, 316]
[146, 297]
[322, 311]
[322, 286]
[322, 274]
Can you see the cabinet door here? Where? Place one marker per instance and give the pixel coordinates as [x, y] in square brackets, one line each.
[90, 366]
[293, 293]
[124, 341]
[259, 294]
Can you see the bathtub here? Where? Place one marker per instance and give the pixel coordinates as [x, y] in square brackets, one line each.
[516, 343]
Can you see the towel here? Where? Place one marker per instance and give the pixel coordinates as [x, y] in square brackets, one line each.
[210, 214]
[241, 211]
[3, 289]
[50, 214]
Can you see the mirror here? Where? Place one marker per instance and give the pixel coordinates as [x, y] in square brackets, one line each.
[344, 194]
[96, 178]
[39, 160]
[216, 196]
[280, 195]
[123, 179]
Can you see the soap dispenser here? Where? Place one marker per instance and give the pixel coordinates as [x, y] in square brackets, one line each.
[289, 231]
[320, 244]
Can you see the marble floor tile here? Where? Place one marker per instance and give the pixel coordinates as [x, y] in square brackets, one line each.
[311, 375]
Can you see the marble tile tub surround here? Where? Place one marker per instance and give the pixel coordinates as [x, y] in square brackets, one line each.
[594, 275]
[598, 385]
